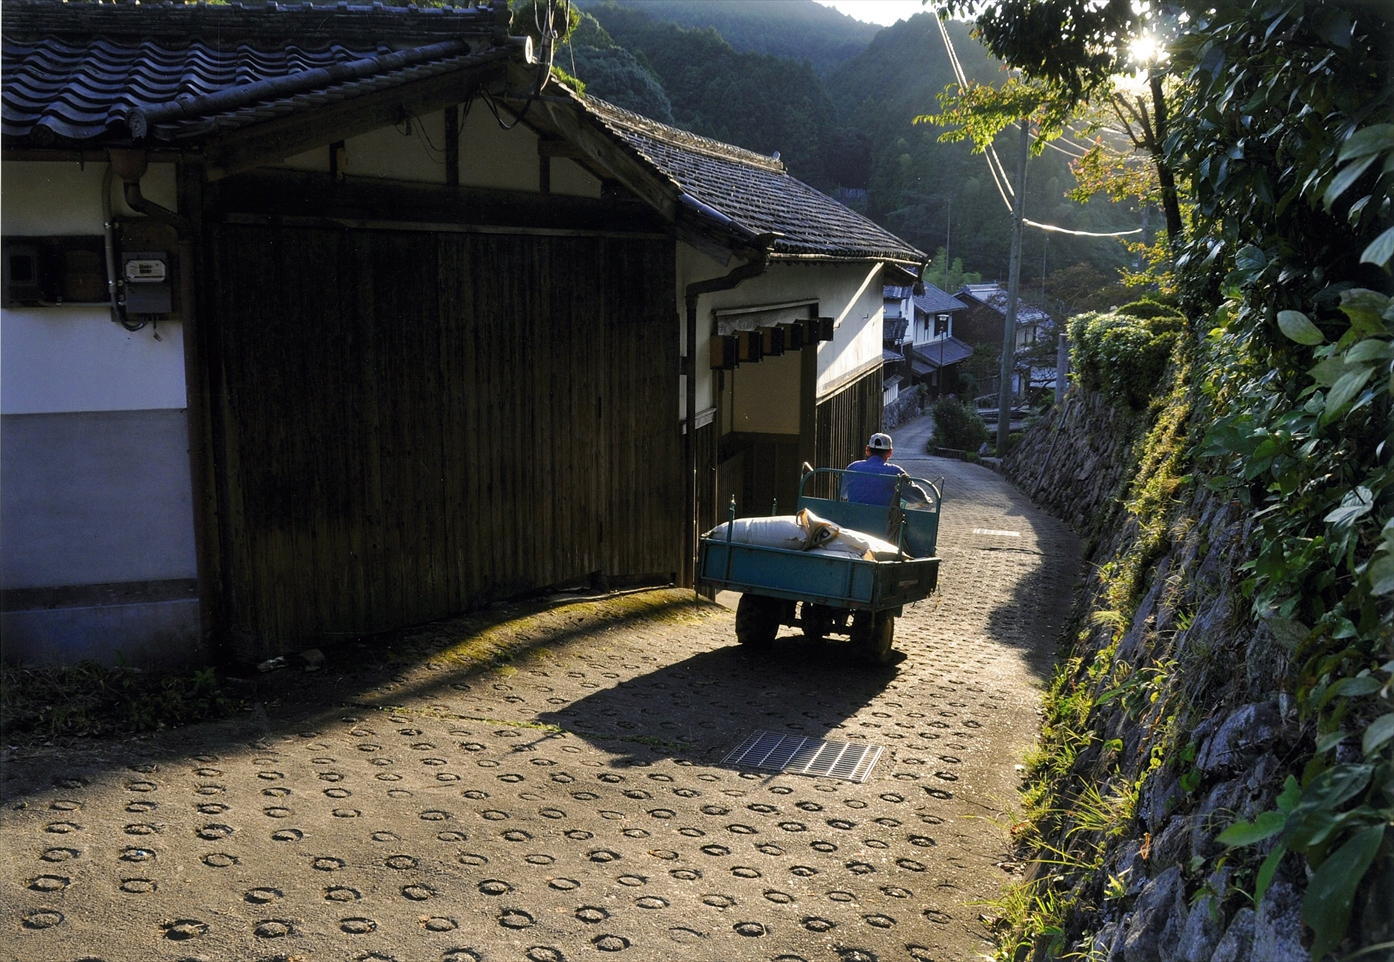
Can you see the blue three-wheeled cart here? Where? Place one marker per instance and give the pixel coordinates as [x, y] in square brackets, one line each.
[829, 594]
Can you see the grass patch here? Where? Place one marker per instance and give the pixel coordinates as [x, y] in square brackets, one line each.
[89, 699]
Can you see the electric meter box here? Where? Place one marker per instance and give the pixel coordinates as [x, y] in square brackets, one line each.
[148, 281]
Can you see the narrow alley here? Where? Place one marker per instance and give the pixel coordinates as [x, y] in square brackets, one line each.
[573, 800]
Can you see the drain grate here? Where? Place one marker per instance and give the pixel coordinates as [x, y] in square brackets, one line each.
[772, 752]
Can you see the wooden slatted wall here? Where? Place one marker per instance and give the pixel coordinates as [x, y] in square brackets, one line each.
[414, 424]
[847, 419]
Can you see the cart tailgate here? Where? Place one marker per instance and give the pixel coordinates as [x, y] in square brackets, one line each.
[810, 576]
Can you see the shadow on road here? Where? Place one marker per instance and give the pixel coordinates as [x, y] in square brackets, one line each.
[699, 708]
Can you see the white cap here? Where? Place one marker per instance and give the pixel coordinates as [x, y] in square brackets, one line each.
[880, 442]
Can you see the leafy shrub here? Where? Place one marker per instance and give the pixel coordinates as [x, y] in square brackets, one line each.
[1147, 309]
[957, 426]
[1123, 355]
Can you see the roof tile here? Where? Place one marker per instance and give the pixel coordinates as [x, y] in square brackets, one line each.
[754, 190]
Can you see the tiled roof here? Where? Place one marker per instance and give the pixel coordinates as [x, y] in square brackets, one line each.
[79, 74]
[894, 328]
[927, 357]
[994, 296]
[754, 191]
[937, 301]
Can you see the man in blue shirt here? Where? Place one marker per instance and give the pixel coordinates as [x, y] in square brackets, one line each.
[874, 480]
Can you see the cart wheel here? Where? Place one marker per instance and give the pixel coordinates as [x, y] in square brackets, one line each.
[817, 621]
[757, 621]
[874, 634]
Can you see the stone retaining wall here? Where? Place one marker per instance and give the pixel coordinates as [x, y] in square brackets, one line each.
[1208, 733]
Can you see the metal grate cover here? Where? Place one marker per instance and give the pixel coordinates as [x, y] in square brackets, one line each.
[772, 752]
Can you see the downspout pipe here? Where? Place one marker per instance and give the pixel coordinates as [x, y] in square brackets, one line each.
[752, 268]
[130, 165]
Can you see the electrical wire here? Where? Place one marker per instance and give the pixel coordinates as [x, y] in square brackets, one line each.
[1080, 233]
[1053, 145]
[550, 45]
[998, 171]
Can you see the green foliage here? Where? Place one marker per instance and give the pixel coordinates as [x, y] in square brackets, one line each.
[92, 699]
[957, 426]
[1301, 226]
[538, 18]
[1276, 132]
[1148, 309]
[1081, 287]
[1322, 577]
[949, 275]
[1122, 355]
[754, 100]
[615, 74]
[1078, 45]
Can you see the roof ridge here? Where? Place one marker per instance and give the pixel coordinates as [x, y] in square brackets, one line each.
[140, 118]
[234, 21]
[683, 138]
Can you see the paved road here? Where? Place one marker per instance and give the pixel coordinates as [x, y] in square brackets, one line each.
[570, 803]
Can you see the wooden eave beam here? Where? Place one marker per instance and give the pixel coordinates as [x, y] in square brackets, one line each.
[596, 148]
[300, 194]
[84, 155]
[275, 140]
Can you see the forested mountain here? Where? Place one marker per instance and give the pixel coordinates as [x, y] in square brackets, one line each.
[796, 29]
[839, 108]
[758, 101]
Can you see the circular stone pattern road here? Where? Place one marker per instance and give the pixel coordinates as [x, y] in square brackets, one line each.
[570, 803]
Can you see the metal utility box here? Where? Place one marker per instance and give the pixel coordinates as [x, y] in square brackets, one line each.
[149, 282]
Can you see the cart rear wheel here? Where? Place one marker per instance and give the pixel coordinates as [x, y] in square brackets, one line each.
[874, 634]
[757, 620]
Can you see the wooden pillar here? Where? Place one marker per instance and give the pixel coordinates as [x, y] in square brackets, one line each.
[194, 287]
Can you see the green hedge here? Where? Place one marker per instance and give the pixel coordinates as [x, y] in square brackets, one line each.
[1123, 352]
[957, 426]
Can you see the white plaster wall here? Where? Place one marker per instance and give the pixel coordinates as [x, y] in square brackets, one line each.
[490, 157]
[94, 471]
[413, 152]
[66, 197]
[74, 358]
[849, 293]
[68, 359]
[493, 157]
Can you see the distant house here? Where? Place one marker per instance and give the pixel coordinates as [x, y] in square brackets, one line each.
[323, 321]
[982, 322]
[921, 328]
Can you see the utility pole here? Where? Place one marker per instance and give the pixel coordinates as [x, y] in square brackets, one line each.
[1062, 365]
[1004, 391]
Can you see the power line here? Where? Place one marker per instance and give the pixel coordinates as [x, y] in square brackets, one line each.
[994, 163]
[1080, 233]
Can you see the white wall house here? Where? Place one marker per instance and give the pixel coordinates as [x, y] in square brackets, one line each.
[924, 332]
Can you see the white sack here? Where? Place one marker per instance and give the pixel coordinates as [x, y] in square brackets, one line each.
[798, 532]
[780, 531]
[805, 531]
[863, 545]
